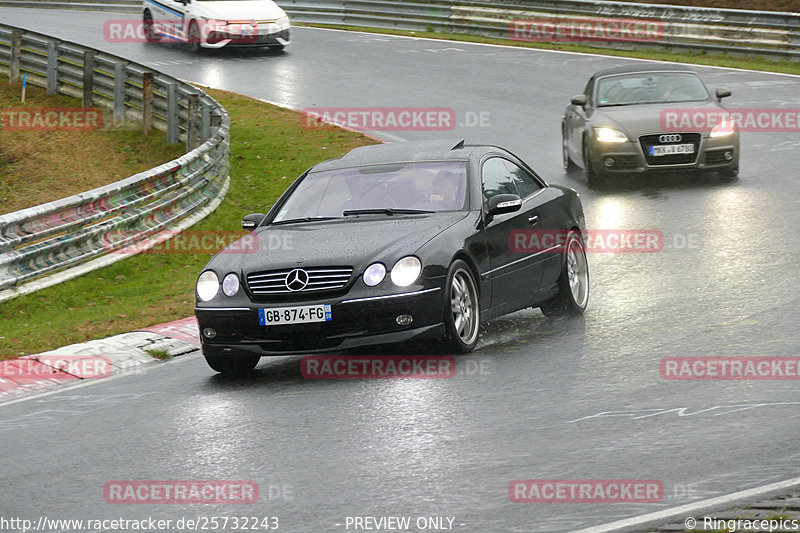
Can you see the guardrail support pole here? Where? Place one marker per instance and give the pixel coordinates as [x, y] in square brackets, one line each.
[119, 93]
[147, 101]
[88, 79]
[205, 124]
[16, 50]
[191, 121]
[172, 113]
[52, 68]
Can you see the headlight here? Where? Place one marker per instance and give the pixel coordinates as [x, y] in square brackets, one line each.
[610, 135]
[230, 284]
[374, 274]
[207, 285]
[406, 271]
[282, 23]
[723, 129]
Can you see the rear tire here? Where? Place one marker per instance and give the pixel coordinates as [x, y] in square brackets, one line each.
[462, 317]
[149, 32]
[233, 365]
[573, 283]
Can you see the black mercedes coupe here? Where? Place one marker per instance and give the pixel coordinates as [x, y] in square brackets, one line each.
[394, 243]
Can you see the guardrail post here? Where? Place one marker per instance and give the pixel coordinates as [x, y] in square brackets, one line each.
[172, 113]
[88, 79]
[205, 124]
[147, 101]
[16, 50]
[119, 92]
[52, 68]
[191, 121]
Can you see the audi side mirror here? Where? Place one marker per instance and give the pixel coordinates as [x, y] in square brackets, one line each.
[579, 100]
[251, 222]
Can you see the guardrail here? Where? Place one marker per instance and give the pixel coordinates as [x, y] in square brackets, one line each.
[82, 232]
[774, 34]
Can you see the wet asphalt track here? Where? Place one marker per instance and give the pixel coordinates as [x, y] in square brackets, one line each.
[566, 399]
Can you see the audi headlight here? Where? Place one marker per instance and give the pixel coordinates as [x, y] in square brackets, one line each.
[230, 284]
[406, 271]
[207, 285]
[723, 129]
[610, 135]
[374, 274]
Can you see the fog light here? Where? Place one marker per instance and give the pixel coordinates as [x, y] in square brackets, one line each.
[609, 162]
[209, 333]
[404, 320]
[728, 155]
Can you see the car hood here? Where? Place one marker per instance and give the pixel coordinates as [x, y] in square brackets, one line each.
[642, 119]
[244, 10]
[352, 241]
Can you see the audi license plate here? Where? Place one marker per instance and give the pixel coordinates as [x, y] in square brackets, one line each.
[671, 149]
[295, 315]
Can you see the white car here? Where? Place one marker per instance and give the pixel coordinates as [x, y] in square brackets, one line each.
[216, 23]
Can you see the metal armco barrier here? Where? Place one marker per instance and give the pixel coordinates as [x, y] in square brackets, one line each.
[767, 33]
[92, 226]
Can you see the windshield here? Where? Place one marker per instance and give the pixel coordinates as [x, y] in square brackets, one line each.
[650, 88]
[430, 186]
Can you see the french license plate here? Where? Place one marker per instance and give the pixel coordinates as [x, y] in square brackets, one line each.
[295, 315]
[671, 149]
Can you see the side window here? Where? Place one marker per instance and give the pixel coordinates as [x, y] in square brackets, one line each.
[526, 184]
[589, 92]
[497, 178]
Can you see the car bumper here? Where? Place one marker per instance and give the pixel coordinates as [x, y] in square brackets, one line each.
[355, 322]
[713, 154]
[221, 39]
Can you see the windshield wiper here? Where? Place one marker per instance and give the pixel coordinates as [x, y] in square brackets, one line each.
[384, 211]
[296, 220]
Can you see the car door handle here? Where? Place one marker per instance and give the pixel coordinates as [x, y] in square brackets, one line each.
[533, 220]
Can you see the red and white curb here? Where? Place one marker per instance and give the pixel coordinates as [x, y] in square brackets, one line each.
[96, 359]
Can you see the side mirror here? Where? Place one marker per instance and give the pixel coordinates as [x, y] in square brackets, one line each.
[504, 203]
[251, 222]
[723, 93]
[579, 100]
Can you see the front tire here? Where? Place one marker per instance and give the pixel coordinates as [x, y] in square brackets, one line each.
[594, 177]
[194, 38]
[573, 283]
[461, 309]
[233, 365]
[566, 160]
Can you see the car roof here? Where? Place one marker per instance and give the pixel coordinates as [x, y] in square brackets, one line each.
[649, 67]
[397, 152]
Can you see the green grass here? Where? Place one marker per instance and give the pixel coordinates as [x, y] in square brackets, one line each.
[269, 149]
[697, 58]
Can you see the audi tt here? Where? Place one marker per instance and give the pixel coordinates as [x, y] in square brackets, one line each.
[655, 118]
[391, 243]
